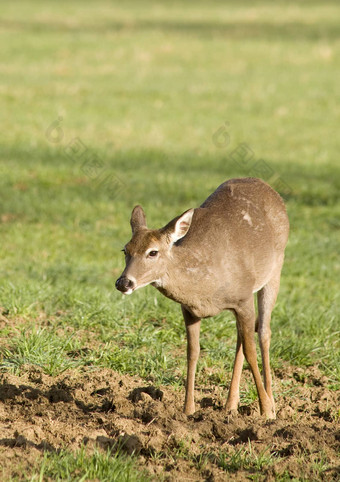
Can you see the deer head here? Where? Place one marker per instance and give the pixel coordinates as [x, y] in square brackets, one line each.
[148, 252]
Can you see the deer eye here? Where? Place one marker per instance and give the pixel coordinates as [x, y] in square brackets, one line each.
[152, 253]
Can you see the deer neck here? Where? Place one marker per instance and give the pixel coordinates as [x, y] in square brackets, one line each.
[184, 278]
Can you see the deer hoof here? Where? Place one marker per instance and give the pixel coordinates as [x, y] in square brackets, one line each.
[189, 410]
[270, 414]
[231, 413]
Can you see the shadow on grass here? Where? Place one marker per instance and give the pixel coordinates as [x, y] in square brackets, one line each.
[291, 31]
[149, 176]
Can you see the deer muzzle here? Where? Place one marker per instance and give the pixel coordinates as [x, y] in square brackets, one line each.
[125, 285]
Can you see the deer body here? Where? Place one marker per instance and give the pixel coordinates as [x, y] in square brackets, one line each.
[214, 258]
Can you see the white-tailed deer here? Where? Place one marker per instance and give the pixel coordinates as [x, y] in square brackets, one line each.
[215, 258]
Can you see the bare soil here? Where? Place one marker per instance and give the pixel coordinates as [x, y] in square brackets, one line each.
[99, 408]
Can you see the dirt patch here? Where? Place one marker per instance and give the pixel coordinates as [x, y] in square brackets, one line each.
[100, 408]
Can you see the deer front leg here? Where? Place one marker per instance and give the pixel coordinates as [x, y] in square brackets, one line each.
[192, 326]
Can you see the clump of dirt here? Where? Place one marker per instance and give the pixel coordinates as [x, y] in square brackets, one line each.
[101, 408]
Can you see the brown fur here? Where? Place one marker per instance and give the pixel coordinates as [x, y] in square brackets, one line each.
[213, 258]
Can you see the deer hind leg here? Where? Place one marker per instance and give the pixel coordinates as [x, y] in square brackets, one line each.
[266, 300]
[192, 326]
[245, 316]
[234, 389]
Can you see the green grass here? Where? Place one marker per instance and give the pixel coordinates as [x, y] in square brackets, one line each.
[106, 467]
[145, 86]
[245, 458]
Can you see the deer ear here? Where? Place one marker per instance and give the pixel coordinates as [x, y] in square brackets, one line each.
[178, 227]
[138, 219]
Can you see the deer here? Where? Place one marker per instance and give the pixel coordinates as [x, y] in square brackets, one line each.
[215, 258]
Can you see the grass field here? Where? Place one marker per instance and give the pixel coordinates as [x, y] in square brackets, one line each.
[104, 106]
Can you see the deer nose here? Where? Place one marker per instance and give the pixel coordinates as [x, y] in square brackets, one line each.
[124, 284]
